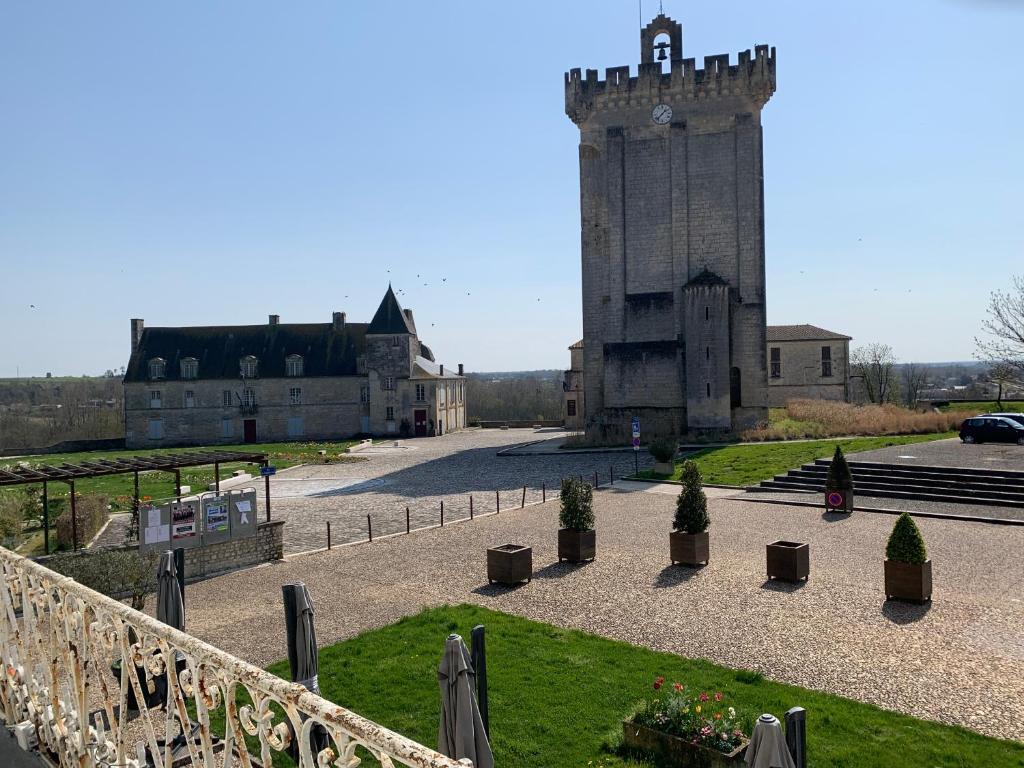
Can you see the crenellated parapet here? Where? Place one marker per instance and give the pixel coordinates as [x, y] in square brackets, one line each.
[752, 77]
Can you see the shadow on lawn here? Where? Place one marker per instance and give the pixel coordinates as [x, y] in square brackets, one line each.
[905, 613]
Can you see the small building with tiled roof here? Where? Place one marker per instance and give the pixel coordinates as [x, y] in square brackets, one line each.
[806, 362]
[204, 385]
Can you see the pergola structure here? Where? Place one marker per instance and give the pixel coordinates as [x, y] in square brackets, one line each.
[25, 474]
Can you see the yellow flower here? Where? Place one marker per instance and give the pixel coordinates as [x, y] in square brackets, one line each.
[697, 709]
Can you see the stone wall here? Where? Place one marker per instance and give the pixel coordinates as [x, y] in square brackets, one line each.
[267, 545]
[800, 369]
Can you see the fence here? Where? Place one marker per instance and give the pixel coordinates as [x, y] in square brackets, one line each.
[60, 641]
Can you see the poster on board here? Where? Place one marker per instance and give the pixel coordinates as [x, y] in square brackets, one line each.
[184, 522]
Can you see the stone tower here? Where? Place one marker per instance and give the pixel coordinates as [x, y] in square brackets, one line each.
[672, 213]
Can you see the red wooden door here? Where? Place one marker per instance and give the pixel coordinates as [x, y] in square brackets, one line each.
[249, 426]
[420, 419]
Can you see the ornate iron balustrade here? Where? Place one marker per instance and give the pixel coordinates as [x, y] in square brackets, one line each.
[60, 641]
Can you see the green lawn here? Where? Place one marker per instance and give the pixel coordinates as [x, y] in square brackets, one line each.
[974, 407]
[751, 463]
[557, 697]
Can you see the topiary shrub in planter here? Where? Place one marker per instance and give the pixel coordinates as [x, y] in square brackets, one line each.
[663, 450]
[405, 429]
[908, 571]
[577, 539]
[688, 542]
[839, 484]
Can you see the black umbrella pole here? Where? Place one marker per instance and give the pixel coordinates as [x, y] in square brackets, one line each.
[478, 656]
[290, 612]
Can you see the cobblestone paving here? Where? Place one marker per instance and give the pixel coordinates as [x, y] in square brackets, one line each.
[420, 474]
[957, 660]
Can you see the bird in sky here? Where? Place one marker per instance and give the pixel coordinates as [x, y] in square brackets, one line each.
[32, 306]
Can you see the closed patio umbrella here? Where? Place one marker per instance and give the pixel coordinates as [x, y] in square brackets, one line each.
[767, 748]
[170, 608]
[461, 733]
[303, 658]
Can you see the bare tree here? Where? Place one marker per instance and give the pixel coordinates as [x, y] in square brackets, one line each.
[1004, 376]
[1005, 328]
[914, 378]
[873, 364]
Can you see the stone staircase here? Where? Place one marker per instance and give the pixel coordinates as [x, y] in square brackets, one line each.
[1002, 488]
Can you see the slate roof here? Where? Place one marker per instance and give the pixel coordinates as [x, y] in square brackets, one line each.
[802, 333]
[389, 317]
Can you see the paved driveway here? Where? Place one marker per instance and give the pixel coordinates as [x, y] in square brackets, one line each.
[949, 453]
[420, 474]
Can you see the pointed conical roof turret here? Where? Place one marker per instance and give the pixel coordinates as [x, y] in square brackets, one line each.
[389, 317]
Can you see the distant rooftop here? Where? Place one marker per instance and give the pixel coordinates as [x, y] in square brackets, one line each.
[802, 333]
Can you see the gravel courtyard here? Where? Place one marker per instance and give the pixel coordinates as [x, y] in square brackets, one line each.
[420, 474]
[958, 660]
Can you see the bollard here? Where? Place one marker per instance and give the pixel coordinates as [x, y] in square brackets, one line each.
[442, 513]
[406, 519]
[611, 476]
[523, 505]
[595, 479]
[543, 493]
[796, 735]
[369, 527]
[471, 507]
[328, 534]
[497, 502]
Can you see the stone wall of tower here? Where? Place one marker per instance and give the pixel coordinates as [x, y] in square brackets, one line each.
[660, 205]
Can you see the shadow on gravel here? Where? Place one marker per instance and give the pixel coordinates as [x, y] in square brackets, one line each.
[559, 570]
[774, 585]
[835, 517]
[674, 575]
[496, 590]
[904, 613]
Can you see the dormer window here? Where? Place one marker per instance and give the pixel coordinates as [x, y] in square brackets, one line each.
[157, 368]
[293, 365]
[249, 367]
[189, 368]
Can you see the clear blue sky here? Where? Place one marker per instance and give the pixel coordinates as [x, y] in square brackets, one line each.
[196, 163]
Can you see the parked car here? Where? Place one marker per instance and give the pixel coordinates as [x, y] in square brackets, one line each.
[1018, 417]
[992, 429]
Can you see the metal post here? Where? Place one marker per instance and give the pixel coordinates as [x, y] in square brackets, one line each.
[478, 658]
[796, 735]
[46, 519]
[177, 484]
[179, 571]
[369, 527]
[216, 478]
[523, 505]
[636, 462]
[74, 518]
[442, 513]
[543, 492]
[406, 519]
[611, 476]
[595, 479]
[471, 507]
[328, 534]
[497, 502]
[266, 493]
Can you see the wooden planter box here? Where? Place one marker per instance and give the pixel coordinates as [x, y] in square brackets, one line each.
[689, 548]
[679, 752]
[576, 546]
[908, 581]
[838, 500]
[788, 560]
[509, 564]
[664, 467]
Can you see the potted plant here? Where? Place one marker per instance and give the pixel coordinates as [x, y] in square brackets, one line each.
[663, 450]
[908, 571]
[509, 564]
[688, 542]
[577, 539]
[839, 484]
[686, 728]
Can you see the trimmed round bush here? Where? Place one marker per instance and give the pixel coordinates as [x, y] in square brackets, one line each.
[839, 476]
[906, 545]
[576, 502]
[691, 504]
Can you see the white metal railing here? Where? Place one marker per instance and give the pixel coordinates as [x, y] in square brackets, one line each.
[60, 639]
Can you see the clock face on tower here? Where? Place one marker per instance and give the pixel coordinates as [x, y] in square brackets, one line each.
[661, 114]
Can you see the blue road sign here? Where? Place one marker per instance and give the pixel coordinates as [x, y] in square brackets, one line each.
[268, 471]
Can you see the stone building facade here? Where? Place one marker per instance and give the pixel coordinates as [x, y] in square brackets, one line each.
[807, 362]
[672, 218]
[303, 381]
[573, 395]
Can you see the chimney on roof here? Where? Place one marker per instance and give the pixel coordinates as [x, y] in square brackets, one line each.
[442, 369]
[138, 324]
[275, 319]
[460, 369]
[338, 320]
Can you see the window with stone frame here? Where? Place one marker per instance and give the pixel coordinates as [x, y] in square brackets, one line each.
[826, 362]
[570, 407]
[388, 382]
[157, 368]
[390, 415]
[226, 398]
[156, 429]
[190, 398]
[296, 426]
[249, 367]
[156, 398]
[227, 427]
[364, 394]
[775, 355]
[189, 368]
[248, 397]
[421, 393]
[293, 365]
[295, 395]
